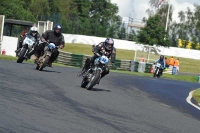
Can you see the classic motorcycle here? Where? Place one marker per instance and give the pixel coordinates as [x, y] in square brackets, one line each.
[43, 60]
[93, 75]
[157, 71]
[27, 45]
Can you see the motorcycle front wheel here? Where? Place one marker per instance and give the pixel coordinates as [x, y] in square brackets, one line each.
[44, 63]
[21, 56]
[156, 71]
[94, 79]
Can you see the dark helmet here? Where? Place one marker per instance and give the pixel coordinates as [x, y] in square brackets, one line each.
[109, 43]
[34, 30]
[161, 57]
[57, 29]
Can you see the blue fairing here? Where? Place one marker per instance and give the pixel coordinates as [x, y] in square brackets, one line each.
[52, 46]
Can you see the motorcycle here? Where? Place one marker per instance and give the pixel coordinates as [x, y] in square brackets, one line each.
[93, 74]
[43, 60]
[27, 45]
[157, 72]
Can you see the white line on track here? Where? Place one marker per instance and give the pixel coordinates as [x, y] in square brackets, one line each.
[188, 99]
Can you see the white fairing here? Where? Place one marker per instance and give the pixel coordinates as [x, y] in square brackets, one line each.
[28, 41]
[158, 65]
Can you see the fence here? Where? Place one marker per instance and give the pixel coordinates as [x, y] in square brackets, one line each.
[78, 60]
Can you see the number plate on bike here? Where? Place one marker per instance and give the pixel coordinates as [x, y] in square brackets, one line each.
[103, 59]
[158, 64]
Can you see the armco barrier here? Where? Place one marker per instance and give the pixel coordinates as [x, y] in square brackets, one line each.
[78, 60]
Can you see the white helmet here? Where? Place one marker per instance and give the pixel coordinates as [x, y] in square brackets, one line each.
[34, 30]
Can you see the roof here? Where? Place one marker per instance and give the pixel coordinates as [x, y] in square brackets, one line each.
[19, 22]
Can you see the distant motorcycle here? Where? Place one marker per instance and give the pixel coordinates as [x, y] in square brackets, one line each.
[43, 60]
[93, 75]
[157, 72]
[27, 45]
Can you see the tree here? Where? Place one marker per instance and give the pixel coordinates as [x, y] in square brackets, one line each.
[153, 33]
[132, 35]
[14, 9]
[42, 8]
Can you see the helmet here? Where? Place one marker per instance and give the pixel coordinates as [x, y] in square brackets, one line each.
[57, 29]
[161, 57]
[34, 30]
[109, 44]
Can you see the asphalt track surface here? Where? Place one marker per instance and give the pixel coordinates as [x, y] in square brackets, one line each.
[52, 101]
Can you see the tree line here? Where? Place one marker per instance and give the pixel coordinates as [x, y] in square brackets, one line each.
[99, 18]
[185, 31]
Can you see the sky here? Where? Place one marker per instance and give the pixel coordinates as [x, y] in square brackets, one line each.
[137, 8]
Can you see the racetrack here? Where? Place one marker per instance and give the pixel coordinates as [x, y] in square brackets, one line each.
[52, 101]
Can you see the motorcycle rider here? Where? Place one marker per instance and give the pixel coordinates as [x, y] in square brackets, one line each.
[33, 32]
[162, 62]
[52, 36]
[103, 48]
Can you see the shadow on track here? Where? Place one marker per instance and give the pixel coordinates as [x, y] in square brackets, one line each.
[47, 71]
[96, 89]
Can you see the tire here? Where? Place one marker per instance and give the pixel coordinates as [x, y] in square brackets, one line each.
[84, 83]
[94, 80]
[21, 56]
[37, 67]
[155, 73]
[46, 60]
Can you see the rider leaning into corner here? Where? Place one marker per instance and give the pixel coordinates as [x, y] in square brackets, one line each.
[104, 48]
[162, 62]
[33, 32]
[52, 36]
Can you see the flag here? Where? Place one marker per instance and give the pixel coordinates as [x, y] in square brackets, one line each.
[159, 3]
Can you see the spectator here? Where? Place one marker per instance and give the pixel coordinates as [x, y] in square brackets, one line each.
[166, 63]
[175, 66]
[142, 59]
[171, 61]
[23, 32]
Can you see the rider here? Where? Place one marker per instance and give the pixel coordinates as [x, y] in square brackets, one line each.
[33, 32]
[162, 62]
[52, 36]
[104, 48]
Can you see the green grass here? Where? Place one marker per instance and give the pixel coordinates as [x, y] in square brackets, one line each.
[186, 78]
[87, 50]
[186, 64]
[196, 95]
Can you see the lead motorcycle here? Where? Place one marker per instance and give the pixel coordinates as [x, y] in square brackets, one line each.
[93, 75]
[27, 45]
[43, 60]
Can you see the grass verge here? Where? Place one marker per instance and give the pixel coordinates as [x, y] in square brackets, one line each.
[196, 95]
[187, 78]
[186, 65]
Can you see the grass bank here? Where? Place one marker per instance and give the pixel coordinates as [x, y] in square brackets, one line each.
[196, 95]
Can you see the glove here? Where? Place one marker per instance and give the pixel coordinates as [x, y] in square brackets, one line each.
[61, 46]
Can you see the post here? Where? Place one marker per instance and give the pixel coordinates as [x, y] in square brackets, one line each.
[167, 18]
[148, 55]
